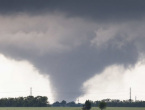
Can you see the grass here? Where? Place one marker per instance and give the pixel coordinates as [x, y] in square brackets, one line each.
[68, 108]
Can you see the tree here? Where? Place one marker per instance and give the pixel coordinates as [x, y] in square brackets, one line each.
[102, 105]
[56, 104]
[71, 104]
[87, 105]
[63, 103]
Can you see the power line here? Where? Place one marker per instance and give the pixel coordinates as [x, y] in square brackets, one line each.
[80, 93]
[13, 91]
[103, 93]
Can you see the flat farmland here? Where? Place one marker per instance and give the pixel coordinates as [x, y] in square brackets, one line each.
[68, 108]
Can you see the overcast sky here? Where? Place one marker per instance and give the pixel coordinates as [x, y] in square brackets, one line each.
[76, 47]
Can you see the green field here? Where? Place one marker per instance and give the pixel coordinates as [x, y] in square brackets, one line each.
[68, 108]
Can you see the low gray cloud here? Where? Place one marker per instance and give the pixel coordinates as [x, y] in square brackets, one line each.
[100, 10]
[73, 41]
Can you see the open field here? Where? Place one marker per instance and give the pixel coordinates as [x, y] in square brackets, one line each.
[68, 108]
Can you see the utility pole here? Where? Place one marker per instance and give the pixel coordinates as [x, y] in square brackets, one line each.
[135, 98]
[130, 94]
[79, 103]
[30, 91]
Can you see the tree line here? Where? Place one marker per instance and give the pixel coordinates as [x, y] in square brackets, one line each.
[42, 101]
[29, 101]
[63, 103]
[124, 103]
[109, 102]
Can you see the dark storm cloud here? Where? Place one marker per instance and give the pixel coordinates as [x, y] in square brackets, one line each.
[95, 9]
[64, 38]
[69, 70]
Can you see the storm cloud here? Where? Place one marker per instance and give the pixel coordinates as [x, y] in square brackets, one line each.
[71, 41]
